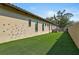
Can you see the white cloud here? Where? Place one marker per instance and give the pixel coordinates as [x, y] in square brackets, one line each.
[50, 13]
[75, 12]
[74, 19]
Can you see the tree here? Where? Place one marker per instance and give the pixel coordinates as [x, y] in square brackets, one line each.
[62, 19]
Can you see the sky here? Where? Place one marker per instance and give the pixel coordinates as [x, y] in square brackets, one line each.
[49, 9]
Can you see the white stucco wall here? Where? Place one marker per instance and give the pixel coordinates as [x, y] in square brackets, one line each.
[74, 33]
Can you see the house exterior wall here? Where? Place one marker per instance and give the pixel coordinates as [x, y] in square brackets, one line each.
[74, 33]
[14, 26]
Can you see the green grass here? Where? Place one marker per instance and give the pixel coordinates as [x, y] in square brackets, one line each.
[52, 43]
[34, 45]
[64, 46]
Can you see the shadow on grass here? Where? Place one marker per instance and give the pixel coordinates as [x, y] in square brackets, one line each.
[64, 46]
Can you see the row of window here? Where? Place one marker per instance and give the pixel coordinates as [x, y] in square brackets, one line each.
[36, 25]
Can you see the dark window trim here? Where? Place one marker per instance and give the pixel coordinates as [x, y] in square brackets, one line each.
[29, 22]
[36, 26]
[42, 26]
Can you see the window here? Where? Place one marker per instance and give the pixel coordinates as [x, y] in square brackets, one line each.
[36, 26]
[43, 27]
[45, 24]
[29, 23]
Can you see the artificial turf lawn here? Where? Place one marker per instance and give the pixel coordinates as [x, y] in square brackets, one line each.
[34, 45]
[64, 46]
[52, 43]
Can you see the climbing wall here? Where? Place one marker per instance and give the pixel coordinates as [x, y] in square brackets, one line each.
[74, 33]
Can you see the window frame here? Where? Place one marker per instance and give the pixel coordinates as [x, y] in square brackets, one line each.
[36, 26]
[29, 23]
[42, 26]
